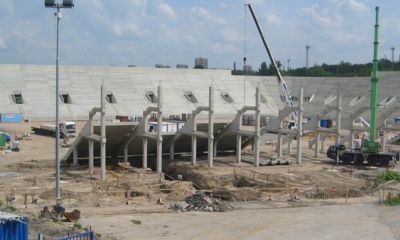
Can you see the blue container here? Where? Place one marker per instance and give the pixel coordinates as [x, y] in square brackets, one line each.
[323, 123]
[11, 117]
[13, 227]
[8, 138]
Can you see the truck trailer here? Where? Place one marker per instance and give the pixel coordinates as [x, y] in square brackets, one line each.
[66, 129]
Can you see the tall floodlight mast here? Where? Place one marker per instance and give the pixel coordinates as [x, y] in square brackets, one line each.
[58, 6]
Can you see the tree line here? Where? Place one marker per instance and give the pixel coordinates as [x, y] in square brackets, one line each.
[343, 69]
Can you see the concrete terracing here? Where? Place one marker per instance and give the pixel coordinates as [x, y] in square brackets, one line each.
[129, 85]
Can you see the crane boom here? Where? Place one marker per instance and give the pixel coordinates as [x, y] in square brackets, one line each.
[370, 145]
[284, 89]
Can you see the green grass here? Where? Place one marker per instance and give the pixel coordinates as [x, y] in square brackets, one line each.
[77, 225]
[394, 201]
[11, 208]
[388, 175]
[1, 203]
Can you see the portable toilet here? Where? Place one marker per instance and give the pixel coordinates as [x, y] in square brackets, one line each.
[13, 227]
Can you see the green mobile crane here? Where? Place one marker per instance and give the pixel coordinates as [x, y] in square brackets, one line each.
[369, 150]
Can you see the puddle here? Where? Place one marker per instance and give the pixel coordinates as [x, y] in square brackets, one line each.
[5, 175]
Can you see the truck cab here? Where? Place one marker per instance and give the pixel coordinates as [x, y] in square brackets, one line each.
[68, 128]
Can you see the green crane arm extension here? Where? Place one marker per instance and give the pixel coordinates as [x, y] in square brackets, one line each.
[371, 146]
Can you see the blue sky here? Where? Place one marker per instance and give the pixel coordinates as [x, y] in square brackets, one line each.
[146, 32]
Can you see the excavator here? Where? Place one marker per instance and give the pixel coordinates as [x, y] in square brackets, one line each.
[369, 151]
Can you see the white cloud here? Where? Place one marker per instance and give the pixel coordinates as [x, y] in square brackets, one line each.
[2, 43]
[354, 6]
[7, 7]
[225, 49]
[167, 11]
[131, 28]
[204, 15]
[319, 15]
[274, 20]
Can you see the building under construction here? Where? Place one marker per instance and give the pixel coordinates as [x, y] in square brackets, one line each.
[198, 111]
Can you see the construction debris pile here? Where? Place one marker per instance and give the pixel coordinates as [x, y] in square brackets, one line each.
[202, 203]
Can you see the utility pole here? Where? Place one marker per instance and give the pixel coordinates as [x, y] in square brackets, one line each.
[392, 48]
[288, 65]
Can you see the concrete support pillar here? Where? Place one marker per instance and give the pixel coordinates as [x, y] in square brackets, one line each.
[383, 141]
[290, 145]
[194, 150]
[279, 145]
[103, 134]
[75, 157]
[91, 161]
[238, 148]
[323, 145]
[257, 133]
[126, 148]
[159, 132]
[352, 139]
[172, 151]
[91, 147]
[211, 127]
[300, 128]
[317, 139]
[194, 139]
[215, 148]
[338, 116]
[383, 137]
[144, 153]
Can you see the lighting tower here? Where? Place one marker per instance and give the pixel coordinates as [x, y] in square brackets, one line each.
[307, 54]
[58, 6]
[392, 49]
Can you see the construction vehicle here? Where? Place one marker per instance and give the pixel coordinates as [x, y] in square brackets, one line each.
[370, 150]
[286, 97]
[66, 129]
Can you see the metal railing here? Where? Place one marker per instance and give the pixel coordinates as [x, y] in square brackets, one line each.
[89, 235]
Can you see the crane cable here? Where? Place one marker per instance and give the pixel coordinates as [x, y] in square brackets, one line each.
[244, 53]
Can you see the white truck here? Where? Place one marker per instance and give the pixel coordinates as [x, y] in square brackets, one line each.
[66, 129]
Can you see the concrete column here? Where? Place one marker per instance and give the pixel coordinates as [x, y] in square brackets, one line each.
[215, 148]
[103, 134]
[172, 151]
[351, 139]
[238, 148]
[75, 157]
[279, 145]
[383, 138]
[126, 148]
[317, 139]
[91, 147]
[257, 133]
[194, 150]
[194, 139]
[91, 162]
[300, 128]
[144, 157]
[290, 145]
[159, 132]
[383, 141]
[338, 116]
[211, 127]
[323, 145]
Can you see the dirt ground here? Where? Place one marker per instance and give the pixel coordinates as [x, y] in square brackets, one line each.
[314, 200]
